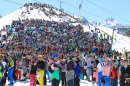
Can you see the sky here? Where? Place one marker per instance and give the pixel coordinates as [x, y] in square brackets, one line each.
[118, 7]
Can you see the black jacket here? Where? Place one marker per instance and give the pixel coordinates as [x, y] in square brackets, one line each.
[41, 65]
[125, 73]
[70, 66]
[33, 69]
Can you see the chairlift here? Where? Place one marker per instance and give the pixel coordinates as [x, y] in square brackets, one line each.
[61, 6]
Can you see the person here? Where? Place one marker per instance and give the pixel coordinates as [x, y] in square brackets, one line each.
[95, 76]
[41, 67]
[89, 69]
[50, 69]
[32, 74]
[40, 75]
[70, 73]
[114, 74]
[18, 71]
[1, 71]
[55, 74]
[10, 71]
[14, 73]
[45, 69]
[23, 69]
[63, 71]
[77, 73]
[4, 69]
[124, 74]
[4, 65]
[85, 67]
[99, 68]
[106, 73]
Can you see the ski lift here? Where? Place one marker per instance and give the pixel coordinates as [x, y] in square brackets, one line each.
[80, 6]
[61, 7]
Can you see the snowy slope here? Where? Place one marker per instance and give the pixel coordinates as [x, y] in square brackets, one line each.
[8, 19]
[33, 14]
[121, 42]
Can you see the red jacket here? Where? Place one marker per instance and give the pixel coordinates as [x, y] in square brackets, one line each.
[114, 73]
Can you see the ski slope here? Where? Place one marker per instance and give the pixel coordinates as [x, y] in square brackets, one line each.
[121, 43]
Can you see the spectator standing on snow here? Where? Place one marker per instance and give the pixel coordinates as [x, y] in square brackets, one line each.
[41, 67]
[10, 71]
[23, 69]
[77, 74]
[18, 70]
[89, 68]
[46, 69]
[99, 68]
[124, 74]
[114, 74]
[32, 74]
[55, 74]
[106, 73]
[63, 72]
[1, 70]
[70, 72]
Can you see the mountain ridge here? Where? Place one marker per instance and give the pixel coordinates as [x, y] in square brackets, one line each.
[109, 23]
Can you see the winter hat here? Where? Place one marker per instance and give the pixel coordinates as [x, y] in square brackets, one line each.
[39, 56]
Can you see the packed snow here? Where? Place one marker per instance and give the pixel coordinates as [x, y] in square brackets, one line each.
[27, 82]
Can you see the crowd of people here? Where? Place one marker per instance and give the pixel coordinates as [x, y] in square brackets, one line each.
[33, 48]
[51, 12]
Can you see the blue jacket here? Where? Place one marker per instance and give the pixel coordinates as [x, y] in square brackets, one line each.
[77, 70]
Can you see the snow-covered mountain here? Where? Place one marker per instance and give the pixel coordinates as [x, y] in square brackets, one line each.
[88, 22]
[110, 23]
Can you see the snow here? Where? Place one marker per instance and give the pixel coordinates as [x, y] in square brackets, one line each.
[8, 19]
[110, 23]
[121, 42]
[33, 14]
[27, 82]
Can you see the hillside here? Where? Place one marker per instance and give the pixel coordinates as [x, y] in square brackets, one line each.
[47, 12]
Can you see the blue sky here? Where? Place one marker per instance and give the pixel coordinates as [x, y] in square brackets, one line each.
[118, 7]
